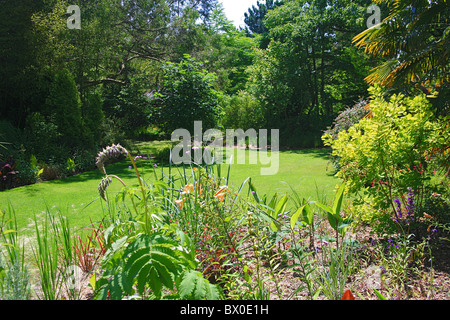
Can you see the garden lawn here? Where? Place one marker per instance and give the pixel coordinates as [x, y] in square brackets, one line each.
[308, 172]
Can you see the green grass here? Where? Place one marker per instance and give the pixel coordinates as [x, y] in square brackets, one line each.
[306, 171]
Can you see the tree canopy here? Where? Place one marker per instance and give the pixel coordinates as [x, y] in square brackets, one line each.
[296, 65]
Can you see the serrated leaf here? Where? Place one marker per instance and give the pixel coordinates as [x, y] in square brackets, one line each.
[212, 292]
[187, 284]
[134, 269]
[115, 288]
[167, 260]
[144, 276]
[195, 287]
[163, 273]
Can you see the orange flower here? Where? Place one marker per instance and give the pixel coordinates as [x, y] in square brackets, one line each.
[348, 295]
[220, 196]
[221, 189]
[426, 215]
[179, 202]
[221, 193]
[187, 189]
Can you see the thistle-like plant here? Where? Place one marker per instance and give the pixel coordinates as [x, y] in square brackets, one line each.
[106, 181]
[115, 151]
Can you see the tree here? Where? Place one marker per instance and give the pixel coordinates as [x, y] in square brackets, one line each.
[414, 40]
[227, 52]
[254, 19]
[64, 106]
[187, 95]
[310, 70]
[93, 116]
[127, 105]
[19, 80]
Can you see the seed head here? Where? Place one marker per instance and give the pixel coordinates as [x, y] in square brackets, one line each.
[106, 181]
[113, 151]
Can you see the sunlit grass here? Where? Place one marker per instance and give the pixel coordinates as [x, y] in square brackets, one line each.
[306, 171]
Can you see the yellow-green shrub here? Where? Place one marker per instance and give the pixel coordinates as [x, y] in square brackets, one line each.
[384, 155]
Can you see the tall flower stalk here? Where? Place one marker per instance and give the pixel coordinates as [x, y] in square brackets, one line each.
[404, 212]
[115, 151]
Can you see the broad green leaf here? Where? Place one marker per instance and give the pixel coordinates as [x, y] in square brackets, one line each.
[308, 214]
[295, 216]
[253, 191]
[92, 280]
[281, 206]
[333, 220]
[338, 198]
[379, 295]
[273, 201]
[279, 209]
[324, 207]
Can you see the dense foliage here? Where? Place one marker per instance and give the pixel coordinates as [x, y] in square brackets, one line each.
[386, 155]
[186, 95]
[141, 69]
[124, 72]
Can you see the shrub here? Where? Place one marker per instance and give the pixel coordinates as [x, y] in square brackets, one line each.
[343, 122]
[347, 118]
[8, 173]
[391, 153]
[41, 136]
[93, 116]
[83, 160]
[27, 173]
[241, 111]
[50, 172]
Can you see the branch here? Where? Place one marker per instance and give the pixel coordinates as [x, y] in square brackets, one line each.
[93, 83]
